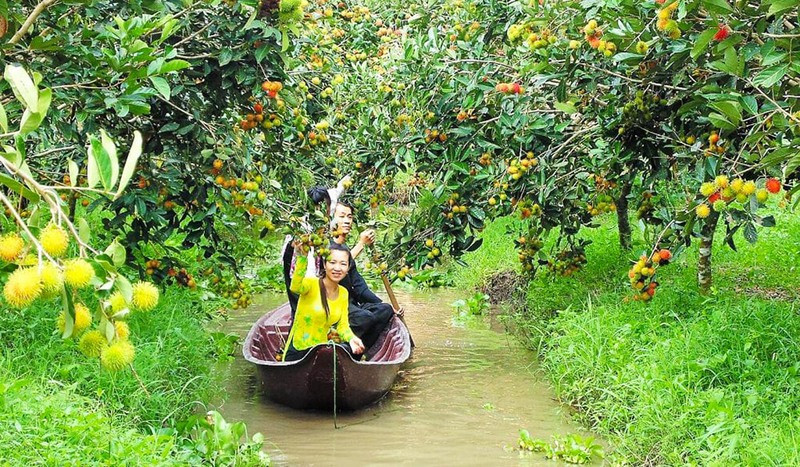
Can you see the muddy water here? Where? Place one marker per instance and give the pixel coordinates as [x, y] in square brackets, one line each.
[462, 399]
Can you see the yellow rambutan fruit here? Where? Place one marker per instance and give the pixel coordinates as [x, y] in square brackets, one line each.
[122, 329]
[78, 272]
[707, 189]
[762, 195]
[23, 287]
[145, 296]
[51, 277]
[118, 302]
[661, 24]
[83, 317]
[721, 181]
[11, 246]
[736, 185]
[749, 188]
[54, 240]
[92, 343]
[117, 356]
[702, 211]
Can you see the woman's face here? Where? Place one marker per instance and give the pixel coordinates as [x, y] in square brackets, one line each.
[337, 265]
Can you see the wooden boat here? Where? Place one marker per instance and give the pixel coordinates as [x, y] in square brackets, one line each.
[309, 383]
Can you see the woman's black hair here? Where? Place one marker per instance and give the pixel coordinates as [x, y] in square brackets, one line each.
[322, 292]
[318, 194]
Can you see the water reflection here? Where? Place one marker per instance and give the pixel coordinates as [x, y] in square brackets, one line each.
[461, 400]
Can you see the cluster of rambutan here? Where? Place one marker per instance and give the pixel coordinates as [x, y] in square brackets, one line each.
[32, 280]
[509, 88]
[434, 135]
[717, 195]
[110, 340]
[518, 167]
[714, 146]
[567, 261]
[665, 22]
[528, 251]
[601, 204]
[593, 36]
[643, 272]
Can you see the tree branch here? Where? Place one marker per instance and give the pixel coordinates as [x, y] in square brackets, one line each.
[31, 18]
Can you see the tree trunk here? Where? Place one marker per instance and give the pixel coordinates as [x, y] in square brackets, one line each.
[704, 260]
[73, 201]
[623, 224]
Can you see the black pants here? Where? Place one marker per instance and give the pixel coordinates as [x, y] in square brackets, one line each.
[368, 320]
[287, 278]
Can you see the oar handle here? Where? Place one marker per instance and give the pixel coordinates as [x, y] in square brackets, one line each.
[389, 291]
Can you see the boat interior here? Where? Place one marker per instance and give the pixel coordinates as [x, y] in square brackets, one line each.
[265, 341]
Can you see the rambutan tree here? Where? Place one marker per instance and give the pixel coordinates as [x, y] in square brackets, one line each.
[173, 71]
[49, 256]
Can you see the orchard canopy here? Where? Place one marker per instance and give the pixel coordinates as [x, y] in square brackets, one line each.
[134, 131]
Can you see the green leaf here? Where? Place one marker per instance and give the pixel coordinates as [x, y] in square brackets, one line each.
[750, 232]
[3, 119]
[130, 163]
[111, 150]
[73, 172]
[720, 121]
[175, 65]
[718, 6]
[69, 313]
[225, 57]
[84, 231]
[125, 288]
[99, 168]
[22, 85]
[117, 253]
[565, 107]
[18, 187]
[771, 76]
[30, 122]
[702, 42]
[750, 104]
[778, 6]
[161, 86]
[730, 109]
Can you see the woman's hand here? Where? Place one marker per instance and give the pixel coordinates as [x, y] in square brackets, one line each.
[356, 345]
[300, 248]
[400, 312]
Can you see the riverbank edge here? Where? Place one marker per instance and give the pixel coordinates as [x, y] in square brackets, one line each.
[647, 377]
[51, 392]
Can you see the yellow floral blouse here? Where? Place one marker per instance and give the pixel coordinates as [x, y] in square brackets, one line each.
[310, 325]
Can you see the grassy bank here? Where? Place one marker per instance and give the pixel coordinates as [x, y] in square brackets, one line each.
[57, 404]
[686, 377]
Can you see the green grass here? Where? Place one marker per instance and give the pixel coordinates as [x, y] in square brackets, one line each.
[684, 378]
[59, 427]
[173, 353]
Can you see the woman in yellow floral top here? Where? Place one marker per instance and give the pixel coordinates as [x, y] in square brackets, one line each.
[322, 305]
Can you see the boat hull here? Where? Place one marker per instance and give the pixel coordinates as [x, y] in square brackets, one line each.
[314, 382]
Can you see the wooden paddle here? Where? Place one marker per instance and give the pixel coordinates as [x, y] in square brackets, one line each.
[395, 305]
